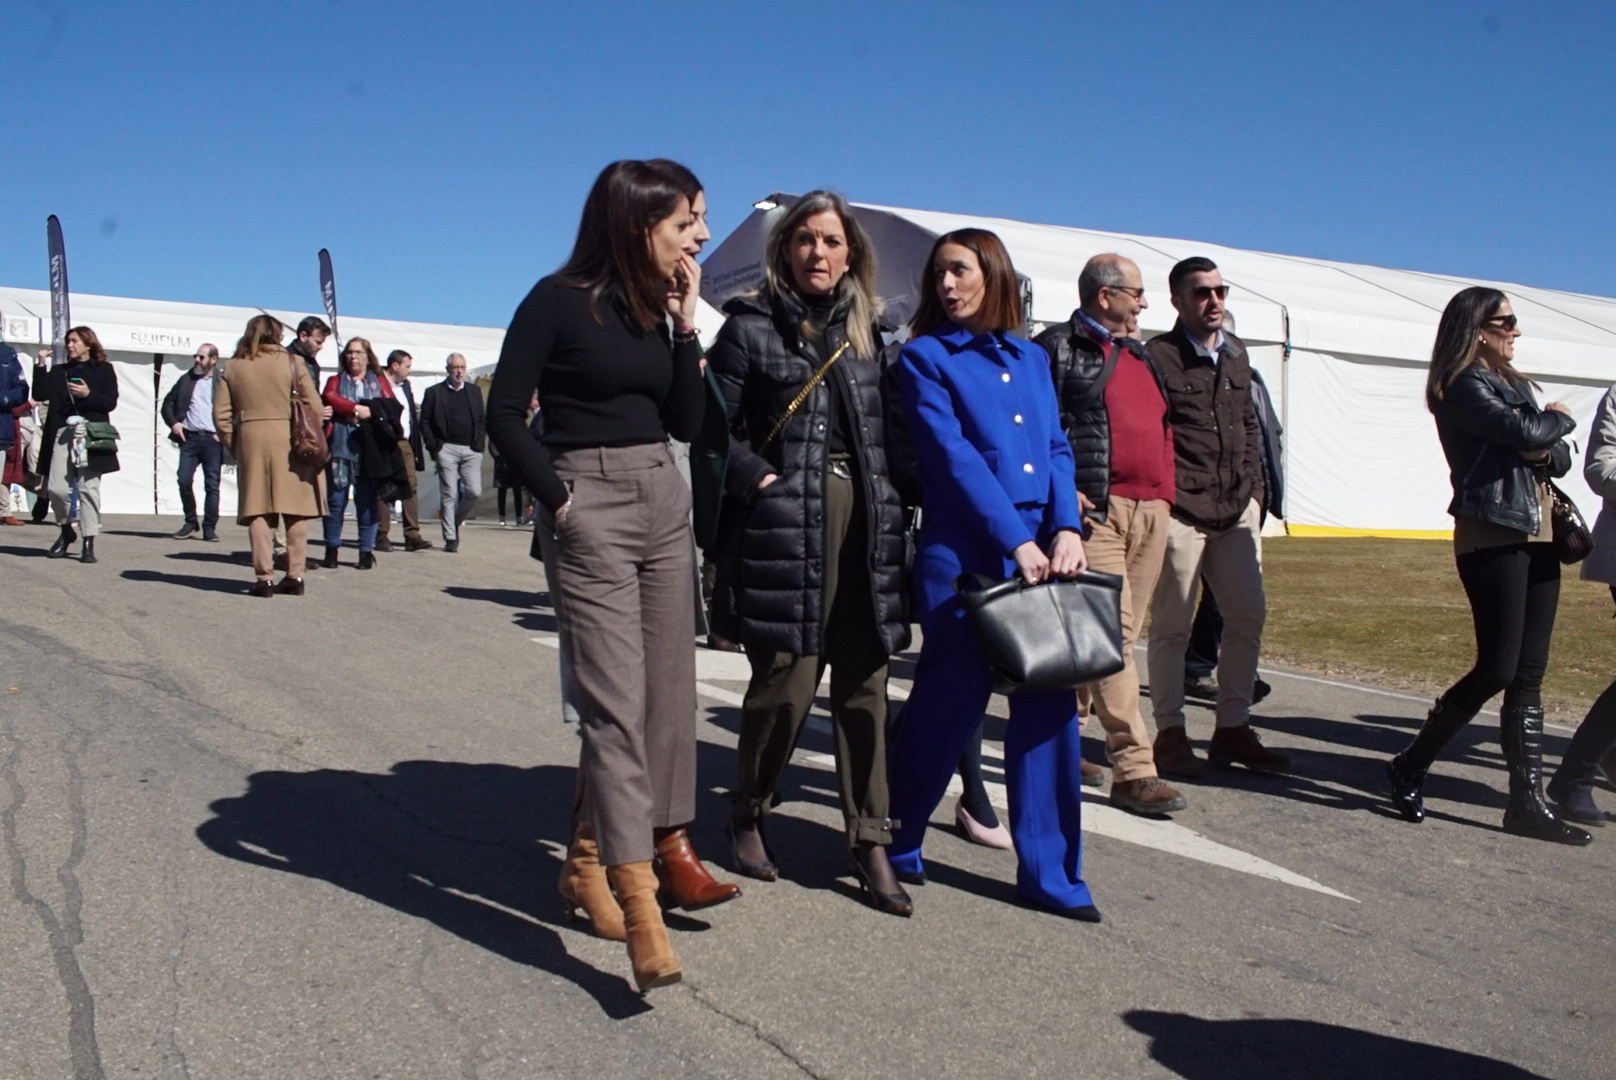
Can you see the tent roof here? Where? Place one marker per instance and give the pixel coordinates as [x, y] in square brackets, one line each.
[1347, 309]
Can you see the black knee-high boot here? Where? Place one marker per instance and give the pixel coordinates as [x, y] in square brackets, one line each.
[1572, 788]
[1521, 733]
[1407, 770]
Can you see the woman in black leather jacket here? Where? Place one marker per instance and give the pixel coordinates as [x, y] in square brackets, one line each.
[810, 543]
[1501, 450]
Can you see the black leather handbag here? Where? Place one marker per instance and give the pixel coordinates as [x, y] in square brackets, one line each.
[1055, 636]
[1572, 540]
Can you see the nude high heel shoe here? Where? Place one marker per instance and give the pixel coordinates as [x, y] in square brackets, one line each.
[584, 888]
[649, 951]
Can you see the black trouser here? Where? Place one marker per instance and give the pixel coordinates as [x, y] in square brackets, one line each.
[1595, 738]
[516, 497]
[1206, 634]
[1514, 592]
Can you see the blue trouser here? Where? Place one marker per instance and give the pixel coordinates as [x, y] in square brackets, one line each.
[204, 448]
[364, 495]
[1042, 759]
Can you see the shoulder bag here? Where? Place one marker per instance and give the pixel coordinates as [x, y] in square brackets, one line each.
[1056, 636]
[1572, 540]
[309, 447]
[100, 437]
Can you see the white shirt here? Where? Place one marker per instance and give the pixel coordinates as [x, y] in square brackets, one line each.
[404, 405]
[1200, 347]
[199, 417]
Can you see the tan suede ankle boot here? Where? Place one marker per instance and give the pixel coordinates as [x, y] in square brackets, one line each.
[649, 951]
[584, 887]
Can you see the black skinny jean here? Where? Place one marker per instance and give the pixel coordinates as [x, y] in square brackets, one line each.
[1514, 592]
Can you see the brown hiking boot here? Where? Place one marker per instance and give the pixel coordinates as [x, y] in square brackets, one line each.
[1240, 745]
[1092, 775]
[1148, 795]
[1174, 755]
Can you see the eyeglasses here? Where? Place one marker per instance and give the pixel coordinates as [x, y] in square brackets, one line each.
[1503, 322]
[201, 356]
[1137, 294]
[1206, 292]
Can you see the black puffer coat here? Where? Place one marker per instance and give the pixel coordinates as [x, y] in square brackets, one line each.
[771, 546]
[1075, 363]
[1484, 422]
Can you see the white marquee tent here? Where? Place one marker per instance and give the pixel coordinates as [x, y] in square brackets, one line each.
[1343, 348]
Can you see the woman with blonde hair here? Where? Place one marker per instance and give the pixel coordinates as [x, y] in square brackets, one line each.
[810, 554]
[359, 380]
[252, 410]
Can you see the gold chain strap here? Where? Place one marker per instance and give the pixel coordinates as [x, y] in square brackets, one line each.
[802, 396]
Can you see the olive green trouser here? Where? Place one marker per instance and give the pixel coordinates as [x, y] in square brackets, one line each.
[783, 685]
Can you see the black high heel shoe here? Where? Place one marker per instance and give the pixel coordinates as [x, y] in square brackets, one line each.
[892, 903]
[762, 871]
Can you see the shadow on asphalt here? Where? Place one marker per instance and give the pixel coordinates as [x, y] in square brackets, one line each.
[534, 612]
[1276, 1049]
[190, 581]
[235, 558]
[25, 552]
[460, 845]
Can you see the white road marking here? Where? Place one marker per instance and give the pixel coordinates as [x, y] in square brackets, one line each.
[1098, 818]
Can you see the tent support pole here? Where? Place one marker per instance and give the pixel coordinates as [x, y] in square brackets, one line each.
[157, 425]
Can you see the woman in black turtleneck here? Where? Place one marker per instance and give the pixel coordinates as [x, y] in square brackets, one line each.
[810, 548]
[616, 380]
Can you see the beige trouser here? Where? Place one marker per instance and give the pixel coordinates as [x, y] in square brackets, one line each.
[623, 575]
[1231, 562]
[1131, 542]
[411, 503]
[59, 487]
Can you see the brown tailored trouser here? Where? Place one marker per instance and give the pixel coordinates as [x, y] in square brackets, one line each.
[411, 502]
[623, 574]
[1131, 542]
[783, 685]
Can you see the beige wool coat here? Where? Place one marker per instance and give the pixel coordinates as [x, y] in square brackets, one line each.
[252, 409]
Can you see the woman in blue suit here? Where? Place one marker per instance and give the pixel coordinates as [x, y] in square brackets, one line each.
[999, 498]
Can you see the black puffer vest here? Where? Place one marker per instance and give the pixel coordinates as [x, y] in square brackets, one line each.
[771, 546]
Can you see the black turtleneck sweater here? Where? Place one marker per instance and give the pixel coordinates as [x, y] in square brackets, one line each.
[601, 382]
[819, 311]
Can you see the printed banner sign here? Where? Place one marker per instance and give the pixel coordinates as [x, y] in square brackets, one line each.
[61, 318]
[328, 293]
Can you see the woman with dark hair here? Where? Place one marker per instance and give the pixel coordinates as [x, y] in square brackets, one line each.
[252, 411]
[359, 380]
[810, 557]
[617, 381]
[80, 392]
[1501, 450]
[999, 498]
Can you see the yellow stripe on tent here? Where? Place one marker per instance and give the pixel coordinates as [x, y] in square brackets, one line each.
[1388, 534]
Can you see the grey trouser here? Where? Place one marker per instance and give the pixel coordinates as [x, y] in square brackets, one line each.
[60, 486]
[1231, 561]
[783, 685]
[458, 467]
[622, 578]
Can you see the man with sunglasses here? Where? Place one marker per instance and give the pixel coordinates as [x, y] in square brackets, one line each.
[1216, 526]
[188, 412]
[1114, 413]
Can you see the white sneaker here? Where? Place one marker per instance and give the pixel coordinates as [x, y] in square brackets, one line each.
[502, 524]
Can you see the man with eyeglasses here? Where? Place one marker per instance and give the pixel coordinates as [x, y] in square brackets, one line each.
[453, 429]
[1114, 413]
[1216, 526]
[188, 412]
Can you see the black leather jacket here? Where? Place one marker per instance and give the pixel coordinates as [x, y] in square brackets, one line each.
[1075, 362]
[1484, 423]
[770, 550]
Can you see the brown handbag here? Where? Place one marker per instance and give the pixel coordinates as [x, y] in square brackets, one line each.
[308, 436]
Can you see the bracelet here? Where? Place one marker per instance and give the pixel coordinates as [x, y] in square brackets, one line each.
[684, 334]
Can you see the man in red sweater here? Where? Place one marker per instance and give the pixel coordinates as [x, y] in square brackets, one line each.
[1114, 412]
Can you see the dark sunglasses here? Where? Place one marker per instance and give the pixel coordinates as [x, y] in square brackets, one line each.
[1137, 294]
[1204, 292]
[1503, 322]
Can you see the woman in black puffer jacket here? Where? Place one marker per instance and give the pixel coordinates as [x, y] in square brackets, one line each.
[1501, 450]
[810, 549]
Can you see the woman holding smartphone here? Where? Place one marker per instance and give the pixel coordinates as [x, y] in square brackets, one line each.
[999, 498]
[609, 342]
[83, 390]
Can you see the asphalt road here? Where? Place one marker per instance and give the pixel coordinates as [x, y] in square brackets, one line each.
[318, 837]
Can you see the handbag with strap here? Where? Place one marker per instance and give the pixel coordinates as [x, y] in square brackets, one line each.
[309, 447]
[100, 437]
[1056, 636]
[1573, 542]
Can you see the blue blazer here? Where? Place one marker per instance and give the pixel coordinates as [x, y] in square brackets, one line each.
[995, 468]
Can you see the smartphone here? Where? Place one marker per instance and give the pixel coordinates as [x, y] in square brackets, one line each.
[79, 381]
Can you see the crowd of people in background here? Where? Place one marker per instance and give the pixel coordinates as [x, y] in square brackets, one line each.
[850, 474]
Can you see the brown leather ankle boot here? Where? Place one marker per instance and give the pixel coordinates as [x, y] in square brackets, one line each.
[583, 886]
[649, 951]
[685, 881]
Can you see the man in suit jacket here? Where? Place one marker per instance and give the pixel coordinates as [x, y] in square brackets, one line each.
[452, 428]
[399, 364]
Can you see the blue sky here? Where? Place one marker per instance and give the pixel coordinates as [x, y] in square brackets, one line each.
[205, 152]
